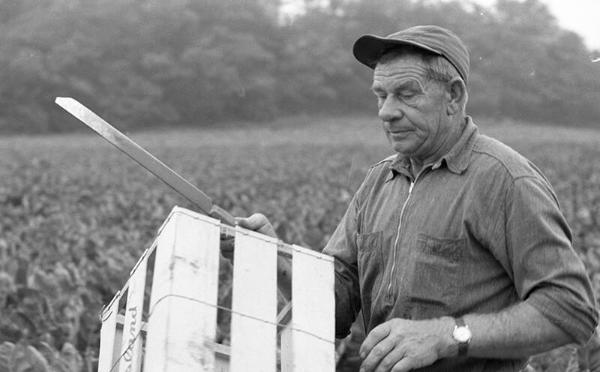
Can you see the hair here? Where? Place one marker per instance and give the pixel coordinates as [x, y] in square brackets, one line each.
[437, 68]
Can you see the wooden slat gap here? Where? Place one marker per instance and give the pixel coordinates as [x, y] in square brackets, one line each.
[121, 321]
[104, 313]
[139, 261]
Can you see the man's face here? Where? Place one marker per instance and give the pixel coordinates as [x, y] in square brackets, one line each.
[413, 109]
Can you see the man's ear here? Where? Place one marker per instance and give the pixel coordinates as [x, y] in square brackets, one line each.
[457, 91]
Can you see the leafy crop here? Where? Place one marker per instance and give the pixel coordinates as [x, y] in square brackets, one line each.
[76, 214]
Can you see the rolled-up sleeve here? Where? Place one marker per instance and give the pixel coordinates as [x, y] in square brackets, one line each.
[546, 270]
[342, 246]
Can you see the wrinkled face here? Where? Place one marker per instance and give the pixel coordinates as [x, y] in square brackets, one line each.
[412, 108]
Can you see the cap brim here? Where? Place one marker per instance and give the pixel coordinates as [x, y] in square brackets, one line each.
[369, 48]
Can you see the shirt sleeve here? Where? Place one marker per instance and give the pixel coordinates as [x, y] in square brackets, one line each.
[342, 246]
[591, 352]
[547, 272]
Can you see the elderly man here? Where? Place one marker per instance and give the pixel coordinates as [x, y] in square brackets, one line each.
[454, 248]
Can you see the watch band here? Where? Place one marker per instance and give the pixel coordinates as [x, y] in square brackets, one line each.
[462, 346]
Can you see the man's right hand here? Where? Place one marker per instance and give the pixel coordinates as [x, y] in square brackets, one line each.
[256, 222]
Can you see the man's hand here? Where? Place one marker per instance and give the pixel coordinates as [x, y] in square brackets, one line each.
[400, 345]
[256, 222]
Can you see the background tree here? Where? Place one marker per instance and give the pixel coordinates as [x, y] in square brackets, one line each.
[190, 62]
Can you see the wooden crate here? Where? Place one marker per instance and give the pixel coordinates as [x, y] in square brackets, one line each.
[174, 328]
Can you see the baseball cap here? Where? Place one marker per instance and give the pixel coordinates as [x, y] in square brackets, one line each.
[437, 40]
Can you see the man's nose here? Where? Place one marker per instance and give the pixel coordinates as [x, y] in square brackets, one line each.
[389, 109]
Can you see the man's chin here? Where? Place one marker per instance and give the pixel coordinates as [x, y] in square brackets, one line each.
[401, 148]
[402, 143]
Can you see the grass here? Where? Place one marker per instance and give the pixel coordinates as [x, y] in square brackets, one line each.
[76, 213]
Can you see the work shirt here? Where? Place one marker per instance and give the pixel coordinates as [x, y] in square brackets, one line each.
[475, 232]
[589, 354]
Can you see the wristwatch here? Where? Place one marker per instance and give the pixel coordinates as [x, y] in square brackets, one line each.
[462, 335]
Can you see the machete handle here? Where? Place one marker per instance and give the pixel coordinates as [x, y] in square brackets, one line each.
[221, 214]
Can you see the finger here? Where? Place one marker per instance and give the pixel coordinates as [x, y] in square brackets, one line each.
[373, 338]
[391, 359]
[259, 223]
[405, 365]
[377, 354]
[254, 222]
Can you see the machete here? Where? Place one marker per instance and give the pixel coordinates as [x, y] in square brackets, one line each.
[145, 159]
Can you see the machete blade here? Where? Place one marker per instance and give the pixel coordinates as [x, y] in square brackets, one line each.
[144, 158]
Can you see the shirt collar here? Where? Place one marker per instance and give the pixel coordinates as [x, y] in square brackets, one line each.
[456, 160]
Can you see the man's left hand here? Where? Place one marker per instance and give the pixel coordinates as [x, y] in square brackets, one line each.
[400, 345]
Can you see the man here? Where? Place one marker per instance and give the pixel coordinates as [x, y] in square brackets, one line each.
[454, 248]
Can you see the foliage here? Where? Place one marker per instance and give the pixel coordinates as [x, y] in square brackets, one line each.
[76, 214]
[194, 63]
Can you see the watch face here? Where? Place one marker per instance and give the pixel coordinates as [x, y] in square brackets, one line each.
[462, 334]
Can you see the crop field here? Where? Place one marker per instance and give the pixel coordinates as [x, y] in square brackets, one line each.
[75, 214]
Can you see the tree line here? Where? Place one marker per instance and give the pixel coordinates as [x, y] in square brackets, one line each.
[152, 63]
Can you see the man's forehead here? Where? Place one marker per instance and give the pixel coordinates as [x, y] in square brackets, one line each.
[400, 69]
[399, 63]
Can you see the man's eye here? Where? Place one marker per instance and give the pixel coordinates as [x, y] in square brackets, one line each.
[406, 94]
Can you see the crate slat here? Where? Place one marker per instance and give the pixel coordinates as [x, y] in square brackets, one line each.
[287, 357]
[181, 326]
[313, 311]
[254, 303]
[131, 349]
[183, 302]
[107, 335]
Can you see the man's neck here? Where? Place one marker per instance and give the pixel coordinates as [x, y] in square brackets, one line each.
[417, 164]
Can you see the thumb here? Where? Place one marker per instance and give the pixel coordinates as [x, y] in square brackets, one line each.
[257, 222]
[254, 222]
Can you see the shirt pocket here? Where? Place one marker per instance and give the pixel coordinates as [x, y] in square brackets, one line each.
[370, 263]
[436, 277]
